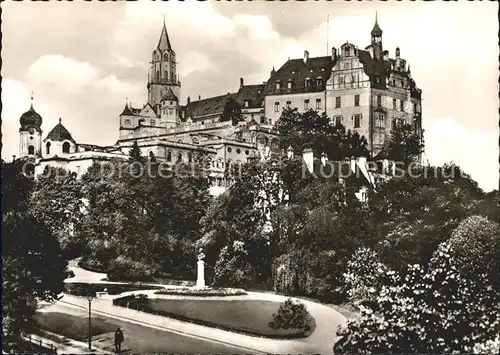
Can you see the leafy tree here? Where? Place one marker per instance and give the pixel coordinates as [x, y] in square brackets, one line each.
[232, 112]
[33, 270]
[405, 145]
[354, 145]
[433, 310]
[16, 184]
[57, 200]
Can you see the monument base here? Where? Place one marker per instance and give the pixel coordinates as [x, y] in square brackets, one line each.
[200, 280]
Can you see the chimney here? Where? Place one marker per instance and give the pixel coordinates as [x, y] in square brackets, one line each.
[308, 159]
[199, 97]
[306, 56]
[241, 82]
[189, 100]
[289, 152]
[334, 53]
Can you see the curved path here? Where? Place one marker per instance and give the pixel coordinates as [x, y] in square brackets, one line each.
[320, 341]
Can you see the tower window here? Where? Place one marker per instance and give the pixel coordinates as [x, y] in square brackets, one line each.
[157, 74]
[394, 103]
[65, 147]
[31, 150]
[153, 122]
[246, 103]
[379, 100]
[179, 157]
[356, 100]
[380, 121]
[402, 105]
[169, 156]
[48, 147]
[127, 122]
[165, 56]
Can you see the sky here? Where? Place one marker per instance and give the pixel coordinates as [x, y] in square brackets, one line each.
[83, 60]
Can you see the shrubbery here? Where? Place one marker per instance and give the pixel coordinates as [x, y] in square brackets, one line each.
[122, 269]
[291, 315]
[231, 268]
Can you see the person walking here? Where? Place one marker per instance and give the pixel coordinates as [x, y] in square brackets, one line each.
[118, 340]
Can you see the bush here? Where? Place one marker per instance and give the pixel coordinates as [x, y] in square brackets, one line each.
[291, 315]
[207, 292]
[231, 268]
[92, 264]
[122, 269]
[426, 311]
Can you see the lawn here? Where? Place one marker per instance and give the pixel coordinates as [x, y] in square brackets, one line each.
[82, 289]
[244, 316]
[138, 339]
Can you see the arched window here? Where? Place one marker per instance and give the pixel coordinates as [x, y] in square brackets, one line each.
[65, 147]
[179, 157]
[48, 147]
[190, 157]
[169, 156]
[165, 56]
[31, 150]
[153, 122]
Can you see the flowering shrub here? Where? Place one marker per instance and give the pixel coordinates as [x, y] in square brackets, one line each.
[291, 315]
[191, 291]
[231, 268]
[363, 277]
[435, 310]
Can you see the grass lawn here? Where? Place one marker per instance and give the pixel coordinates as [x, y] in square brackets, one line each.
[245, 316]
[82, 289]
[138, 339]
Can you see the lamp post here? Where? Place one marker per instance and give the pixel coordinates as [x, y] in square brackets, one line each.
[89, 298]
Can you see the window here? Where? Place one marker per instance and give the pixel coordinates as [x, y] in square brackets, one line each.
[306, 104]
[262, 119]
[289, 84]
[380, 122]
[379, 100]
[319, 82]
[288, 104]
[169, 156]
[276, 106]
[238, 151]
[318, 103]
[153, 122]
[394, 103]
[377, 79]
[346, 65]
[247, 152]
[246, 103]
[165, 56]
[179, 157]
[308, 83]
[190, 157]
[166, 75]
[401, 105]
[31, 150]
[356, 100]
[277, 85]
[127, 122]
[229, 149]
[65, 147]
[48, 147]
[337, 102]
[357, 121]
[338, 120]
[157, 74]
[78, 169]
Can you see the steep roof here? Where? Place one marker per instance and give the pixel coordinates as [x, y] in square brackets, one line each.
[376, 31]
[210, 106]
[60, 133]
[296, 71]
[164, 42]
[127, 111]
[254, 94]
[170, 96]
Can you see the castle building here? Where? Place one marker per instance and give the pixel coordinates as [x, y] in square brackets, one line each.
[365, 90]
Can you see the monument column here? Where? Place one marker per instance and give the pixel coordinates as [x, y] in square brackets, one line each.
[200, 280]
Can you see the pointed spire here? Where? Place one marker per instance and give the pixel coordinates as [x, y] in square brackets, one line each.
[376, 31]
[164, 42]
[32, 99]
[60, 120]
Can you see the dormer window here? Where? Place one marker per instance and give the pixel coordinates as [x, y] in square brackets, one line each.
[347, 52]
[308, 83]
[153, 122]
[277, 85]
[127, 122]
[289, 84]
[246, 103]
[319, 82]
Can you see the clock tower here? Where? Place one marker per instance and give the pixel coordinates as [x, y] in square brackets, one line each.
[30, 134]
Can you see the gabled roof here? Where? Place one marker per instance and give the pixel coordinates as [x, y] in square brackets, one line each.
[60, 133]
[296, 71]
[211, 106]
[254, 94]
[164, 42]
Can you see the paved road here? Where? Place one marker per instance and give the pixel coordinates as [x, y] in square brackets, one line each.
[320, 341]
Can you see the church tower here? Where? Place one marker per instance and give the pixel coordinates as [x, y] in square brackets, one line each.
[377, 40]
[30, 134]
[163, 72]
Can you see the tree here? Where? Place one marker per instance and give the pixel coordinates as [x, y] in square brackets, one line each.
[354, 145]
[232, 112]
[432, 310]
[135, 153]
[57, 200]
[405, 145]
[16, 184]
[33, 270]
